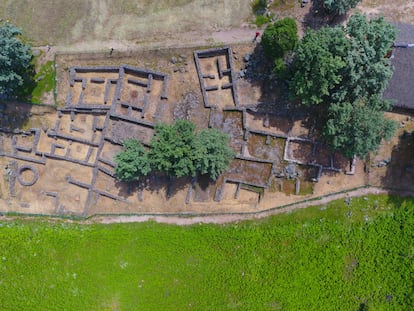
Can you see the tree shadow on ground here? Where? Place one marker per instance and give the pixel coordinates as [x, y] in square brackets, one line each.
[159, 182]
[317, 17]
[400, 167]
[126, 189]
[155, 183]
[274, 98]
[14, 115]
[24, 93]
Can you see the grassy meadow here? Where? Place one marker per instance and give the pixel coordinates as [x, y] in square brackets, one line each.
[354, 255]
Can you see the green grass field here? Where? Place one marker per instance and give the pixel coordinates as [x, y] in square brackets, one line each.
[46, 83]
[336, 257]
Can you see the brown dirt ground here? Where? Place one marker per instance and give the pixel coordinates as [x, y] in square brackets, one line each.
[155, 201]
[398, 172]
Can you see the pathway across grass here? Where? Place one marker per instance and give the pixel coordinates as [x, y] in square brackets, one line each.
[354, 255]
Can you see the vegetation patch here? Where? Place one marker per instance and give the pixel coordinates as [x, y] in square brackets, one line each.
[46, 78]
[347, 255]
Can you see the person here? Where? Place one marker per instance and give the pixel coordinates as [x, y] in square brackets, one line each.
[256, 36]
[110, 52]
[48, 48]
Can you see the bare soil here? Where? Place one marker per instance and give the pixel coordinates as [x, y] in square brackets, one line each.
[187, 24]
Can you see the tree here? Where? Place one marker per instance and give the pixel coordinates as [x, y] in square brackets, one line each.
[132, 163]
[358, 128]
[177, 151]
[173, 149]
[336, 64]
[15, 57]
[345, 71]
[368, 70]
[280, 37]
[376, 35]
[214, 153]
[339, 7]
[318, 64]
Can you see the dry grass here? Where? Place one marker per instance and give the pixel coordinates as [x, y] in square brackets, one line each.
[65, 22]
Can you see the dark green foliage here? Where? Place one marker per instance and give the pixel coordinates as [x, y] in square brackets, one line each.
[280, 37]
[173, 149]
[339, 7]
[259, 6]
[132, 163]
[15, 59]
[176, 150]
[376, 35]
[335, 64]
[368, 70]
[214, 153]
[320, 59]
[339, 257]
[357, 129]
[262, 19]
[281, 69]
[346, 72]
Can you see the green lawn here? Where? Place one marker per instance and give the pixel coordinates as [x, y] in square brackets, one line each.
[46, 82]
[335, 257]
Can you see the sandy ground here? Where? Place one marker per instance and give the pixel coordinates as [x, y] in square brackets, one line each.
[188, 219]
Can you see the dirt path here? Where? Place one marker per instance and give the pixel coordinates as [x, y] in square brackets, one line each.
[223, 219]
[236, 35]
[186, 219]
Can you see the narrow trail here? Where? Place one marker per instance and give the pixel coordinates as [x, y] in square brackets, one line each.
[186, 220]
[188, 39]
[224, 219]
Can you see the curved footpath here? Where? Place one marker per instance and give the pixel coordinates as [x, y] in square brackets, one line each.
[228, 218]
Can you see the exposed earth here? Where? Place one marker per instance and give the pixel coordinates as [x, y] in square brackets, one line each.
[61, 163]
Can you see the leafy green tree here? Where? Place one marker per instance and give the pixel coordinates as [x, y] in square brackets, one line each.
[214, 152]
[173, 149]
[376, 35]
[337, 64]
[318, 65]
[357, 128]
[132, 163]
[15, 57]
[339, 7]
[176, 150]
[280, 37]
[345, 71]
[368, 70]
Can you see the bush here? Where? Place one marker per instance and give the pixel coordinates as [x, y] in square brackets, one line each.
[259, 6]
[281, 69]
[280, 37]
[261, 20]
[132, 163]
[15, 59]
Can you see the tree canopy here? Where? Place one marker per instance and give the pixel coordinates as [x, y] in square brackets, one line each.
[357, 129]
[280, 37]
[319, 60]
[132, 162]
[339, 7]
[345, 71]
[214, 153]
[334, 64]
[176, 150]
[15, 57]
[173, 149]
